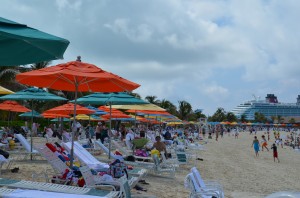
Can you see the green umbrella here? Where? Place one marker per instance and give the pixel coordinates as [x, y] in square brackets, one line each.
[56, 120]
[20, 44]
[32, 113]
[114, 98]
[32, 94]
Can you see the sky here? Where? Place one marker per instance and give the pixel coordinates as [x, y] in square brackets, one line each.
[210, 53]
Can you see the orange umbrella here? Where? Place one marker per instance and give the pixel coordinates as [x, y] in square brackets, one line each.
[68, 109]
[55, 115]
[114, 113]
[76, 76]
[9, 105]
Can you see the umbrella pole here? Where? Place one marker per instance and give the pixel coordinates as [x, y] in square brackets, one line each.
[74, 126]
[109, 136]
[31, 142]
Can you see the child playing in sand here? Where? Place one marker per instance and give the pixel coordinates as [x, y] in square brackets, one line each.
[275, 153]
[264, 143]
[255, 145]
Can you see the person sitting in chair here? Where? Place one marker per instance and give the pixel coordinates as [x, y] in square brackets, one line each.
[160, 146]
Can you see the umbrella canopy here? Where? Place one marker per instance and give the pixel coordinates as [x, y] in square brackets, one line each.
[55, 115]
[12, 106]
[97, 111]
[30, 114]
[20, 44]
[32, 94]
[4, 91]
[57, 119]
[68, 109]
[85, 117]
[76, 76]
[110, 98]
[150, 107]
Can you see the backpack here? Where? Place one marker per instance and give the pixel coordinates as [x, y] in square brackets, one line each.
[118, 169]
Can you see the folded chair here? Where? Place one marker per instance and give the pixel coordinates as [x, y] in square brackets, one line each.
[23, 184]
[196, 191]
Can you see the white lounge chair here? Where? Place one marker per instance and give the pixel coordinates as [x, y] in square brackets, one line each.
[34, 153]
[24, 193]
[84, 156]
[209, 185]
[196, 191]
[58, 188]
[106, 150]
[162, 169]
[3, 161]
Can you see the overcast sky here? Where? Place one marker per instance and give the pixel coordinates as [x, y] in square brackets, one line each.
[211, 53]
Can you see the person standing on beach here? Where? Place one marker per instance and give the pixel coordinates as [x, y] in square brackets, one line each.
[255, 145]
[264, 143]
[275, 153]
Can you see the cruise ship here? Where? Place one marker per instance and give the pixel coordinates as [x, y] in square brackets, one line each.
[269, 107]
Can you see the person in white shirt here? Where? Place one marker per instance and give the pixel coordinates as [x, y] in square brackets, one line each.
[128, 139]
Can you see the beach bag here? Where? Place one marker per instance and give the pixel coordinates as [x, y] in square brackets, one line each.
[118, 169]
[155, 152]
[11, 144]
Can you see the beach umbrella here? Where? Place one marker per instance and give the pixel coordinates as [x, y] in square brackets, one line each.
[76, 76]
[32, 113]
[4, 91]
[149, 107]
[55, 115]
[63, 119]
[32, 94]
[68, 109]
[97, 111]
[20, 44]
[12, 106]
[85, 117]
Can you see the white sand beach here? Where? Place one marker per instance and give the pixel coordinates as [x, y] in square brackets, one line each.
[229, 161]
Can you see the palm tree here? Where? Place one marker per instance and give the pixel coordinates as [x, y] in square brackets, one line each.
[170, 107]
[136, 95]
[152, 99]
[280, 119]
[8, 76]
[184, 109]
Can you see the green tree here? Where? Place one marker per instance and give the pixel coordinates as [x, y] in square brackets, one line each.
[280, 119]
[218, 116]
[292, 120]
[243, 118]
[259, 117]
[230, 117]
[152, 99]
[184, 109]
[273, 118]
[169, 106]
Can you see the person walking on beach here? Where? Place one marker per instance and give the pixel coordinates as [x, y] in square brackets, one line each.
[264, 143]
[275, 153]
[255, 145]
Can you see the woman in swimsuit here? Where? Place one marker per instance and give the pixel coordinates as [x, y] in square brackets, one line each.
[255, 145]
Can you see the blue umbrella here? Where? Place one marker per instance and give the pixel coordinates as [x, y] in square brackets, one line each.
[32, 113]
[56, 120]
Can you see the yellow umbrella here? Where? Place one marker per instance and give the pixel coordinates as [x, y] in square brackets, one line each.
[148, 107]
[174, 123]
[4, 91]
[83, 117]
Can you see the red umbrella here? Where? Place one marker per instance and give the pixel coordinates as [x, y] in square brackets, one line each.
[54, 115]
[9, 105]
[76, 76]
[68, 109]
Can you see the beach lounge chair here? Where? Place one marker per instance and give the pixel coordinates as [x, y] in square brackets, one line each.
[84, 156]
[27, 147]
[196, 191]
[106, 150]
[210, 185]
[162, 169]
[93, 181]
[3, 161]
[25, 193]
[23, 184]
